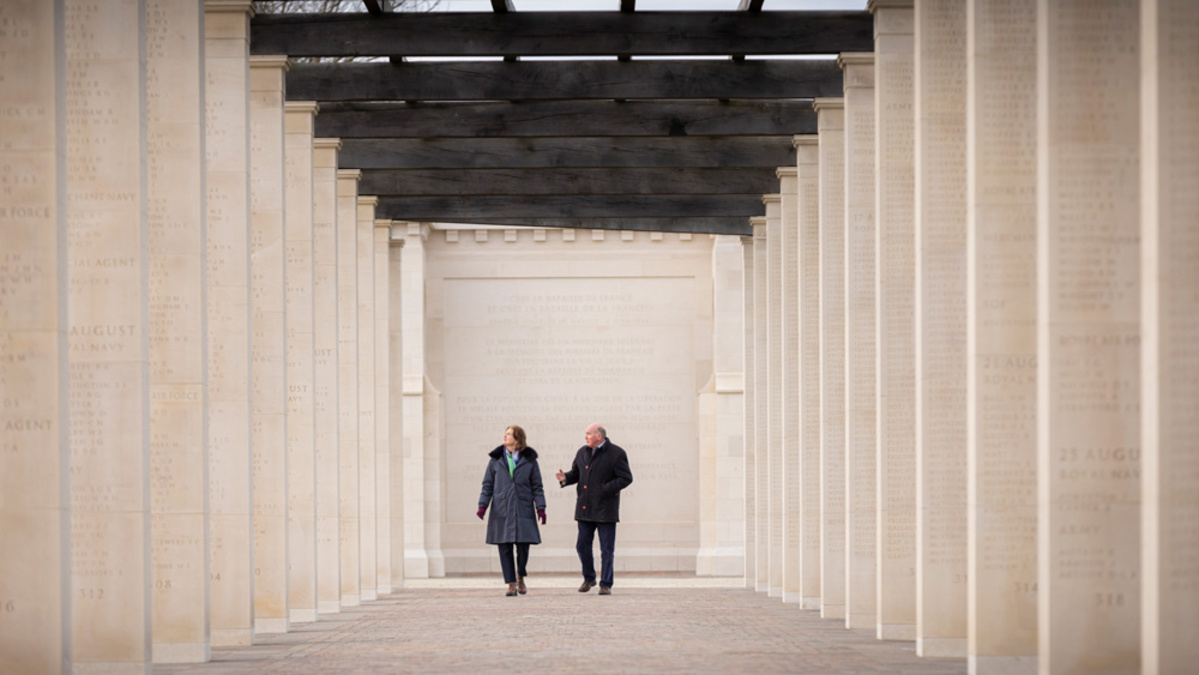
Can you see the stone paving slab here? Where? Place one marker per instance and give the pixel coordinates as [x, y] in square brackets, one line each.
[645, 626]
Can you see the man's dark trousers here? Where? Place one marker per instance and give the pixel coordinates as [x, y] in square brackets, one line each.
[607, 537]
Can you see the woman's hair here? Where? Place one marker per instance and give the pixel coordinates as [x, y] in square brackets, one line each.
[518, 435]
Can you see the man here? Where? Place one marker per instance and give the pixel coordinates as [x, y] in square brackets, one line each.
[601, 470]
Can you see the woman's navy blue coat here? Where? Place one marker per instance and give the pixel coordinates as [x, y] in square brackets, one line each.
[514, 499]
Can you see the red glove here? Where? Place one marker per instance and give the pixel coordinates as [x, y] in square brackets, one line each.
[541, 515]
[481, 511]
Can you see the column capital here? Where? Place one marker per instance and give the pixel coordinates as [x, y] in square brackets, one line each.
[349, 174]
[326, 143]
[772, 199]
[805, 139]
[368, 200]
[786, 172]
[758, 223]
[875, 5]
[270, 61]
[383, 223]
[230, 6]
[828, 104]
[846, 59]
[311, 107]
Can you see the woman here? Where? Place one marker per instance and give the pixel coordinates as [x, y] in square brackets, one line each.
[512, 482]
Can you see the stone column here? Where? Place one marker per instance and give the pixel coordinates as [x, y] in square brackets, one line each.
[1170, 322]
[325, 385]
[722, 472]
[1088, 334]
[178, 329]
[412, 288]
[395, 402]
[807, 160]
[860, 343]
[1001, 336]
[831, 270]
[774, 395]
[268, 343]
[896, 285]
[301, 458]
[940, 162]
[750, 414]
[382, 286]
[109, 403]
[367, 517]
[347, 384]
[761, 409]
[790, 385]
[227, 149]
[35, 580]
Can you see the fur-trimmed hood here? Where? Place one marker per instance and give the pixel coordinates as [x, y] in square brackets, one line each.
[527, 453]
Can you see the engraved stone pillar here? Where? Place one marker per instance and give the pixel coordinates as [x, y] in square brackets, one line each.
[896, 285]
[347, 379]
[35, 579]
[382, 234]
[367, 517]
[178, 331]
[790, 442]
[108, 337]
[722, 472]
[761, 409]
[831, 269]
[268, 343]
[1001, 337]
[750, 414]
[227, 148]
[860, 343]
[412, 290]
[808, 165]
[395, 401]
[325, 375]
[774, 395]
[1088, 334]
[1170, 315]
[301, 460]
[940, 97]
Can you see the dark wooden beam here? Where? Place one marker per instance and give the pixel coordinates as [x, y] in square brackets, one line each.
[375, 7]
[564, 118]
[731, 225]
[628, 5]
[562, 33]
[482, 208]
[467, 182]
[550, 153]
[501, 6]
[750, 6]
[549, 80]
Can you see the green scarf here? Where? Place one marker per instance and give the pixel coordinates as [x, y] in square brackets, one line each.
[511, 463]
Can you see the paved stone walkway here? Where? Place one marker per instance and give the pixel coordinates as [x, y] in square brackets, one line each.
[647, 625]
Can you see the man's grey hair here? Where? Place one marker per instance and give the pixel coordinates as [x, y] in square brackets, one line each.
[602, 432]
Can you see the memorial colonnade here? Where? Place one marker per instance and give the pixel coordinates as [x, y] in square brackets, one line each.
[991, 413]
[208, 447]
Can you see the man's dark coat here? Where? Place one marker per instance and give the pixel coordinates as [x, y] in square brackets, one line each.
[513, 519]
[600, 480]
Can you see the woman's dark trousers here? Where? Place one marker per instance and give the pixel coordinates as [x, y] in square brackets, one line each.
[522, 558]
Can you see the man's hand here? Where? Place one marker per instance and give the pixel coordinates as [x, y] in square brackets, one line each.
[481, 511]
[541, 515]
[561, 476]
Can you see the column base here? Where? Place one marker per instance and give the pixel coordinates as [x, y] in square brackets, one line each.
[274, 626]
[367, 596]
[791, 597]
[775, 591]
[231, 637]
[896, 631]
[941, 648]
[860, 620]
[832, 611]
[809, 603]
[180, 652]
[760, 587]
[1002, 665]
[350, 600]
[328, 607]
[384, 589]
[302, 615]
[109, 668]
[416, 565]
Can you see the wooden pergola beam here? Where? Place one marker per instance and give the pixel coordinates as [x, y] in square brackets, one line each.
[557, 80]
[566, 118]
[535, 182]
[560, 153]
[562, 33]
[480, 208]
[731, 225]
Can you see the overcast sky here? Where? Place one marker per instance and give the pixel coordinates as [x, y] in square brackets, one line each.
[648, 5]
